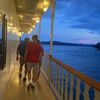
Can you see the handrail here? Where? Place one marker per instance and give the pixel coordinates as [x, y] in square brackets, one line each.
[82, 76]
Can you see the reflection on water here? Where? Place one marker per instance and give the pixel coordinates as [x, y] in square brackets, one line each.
[84, 59]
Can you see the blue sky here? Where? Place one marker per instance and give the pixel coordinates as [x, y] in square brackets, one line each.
[76, 21]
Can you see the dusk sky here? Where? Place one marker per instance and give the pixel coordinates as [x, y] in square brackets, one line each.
[76, 21]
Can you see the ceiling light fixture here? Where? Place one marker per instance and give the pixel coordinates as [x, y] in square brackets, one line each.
[45, 6]
[33, 26]
[10, 24]
[19, 34]
[22, 32]
[21, 16]
[20, 6]
[37, 19]
[30, 30]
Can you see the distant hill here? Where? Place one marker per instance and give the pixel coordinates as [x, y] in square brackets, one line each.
[67, 44]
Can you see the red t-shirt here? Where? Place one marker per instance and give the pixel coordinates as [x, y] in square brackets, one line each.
[33, 52]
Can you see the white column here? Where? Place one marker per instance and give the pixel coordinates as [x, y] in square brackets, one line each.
[34, 33]
[20, 38]
[52, 27]
[39, 30]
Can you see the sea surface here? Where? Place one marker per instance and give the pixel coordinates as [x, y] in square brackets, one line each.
[84, 59]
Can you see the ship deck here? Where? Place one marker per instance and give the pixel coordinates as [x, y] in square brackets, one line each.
[17, 90]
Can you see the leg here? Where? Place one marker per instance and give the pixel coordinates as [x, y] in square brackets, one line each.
[25, 72]
[29, 67]
[35, 72]
[21, 65]
[39, 71]
[25, 69]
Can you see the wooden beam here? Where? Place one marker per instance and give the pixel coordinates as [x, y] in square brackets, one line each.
[32, 14]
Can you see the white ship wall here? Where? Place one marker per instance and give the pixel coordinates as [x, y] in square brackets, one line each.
[8, 7]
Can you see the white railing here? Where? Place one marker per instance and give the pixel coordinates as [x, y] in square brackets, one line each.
[68, 83]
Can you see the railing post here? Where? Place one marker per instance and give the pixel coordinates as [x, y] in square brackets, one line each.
[86, 92]
[58, 77]
[49, 69]
[74, 89]
[56, 85]
[66, 88]
[78, 89]
[62, 84]
[97, 95]
[71, 87]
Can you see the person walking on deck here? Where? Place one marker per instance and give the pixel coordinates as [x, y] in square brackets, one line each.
[21, 52]
[33, 56]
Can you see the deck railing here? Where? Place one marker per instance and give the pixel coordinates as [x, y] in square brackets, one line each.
[68, 83]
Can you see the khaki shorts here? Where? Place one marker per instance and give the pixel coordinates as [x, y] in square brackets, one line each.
[35, 66]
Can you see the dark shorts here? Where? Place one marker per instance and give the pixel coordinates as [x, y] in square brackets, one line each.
[22, 61]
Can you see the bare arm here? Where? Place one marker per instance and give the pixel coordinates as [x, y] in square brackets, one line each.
[17, 53]
[41, 55]
[25, 54]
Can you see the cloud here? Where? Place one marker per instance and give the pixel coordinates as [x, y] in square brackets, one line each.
[86, 41]
[82, 14]
[88, 23]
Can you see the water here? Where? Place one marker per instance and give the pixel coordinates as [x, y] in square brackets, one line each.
[84, 59]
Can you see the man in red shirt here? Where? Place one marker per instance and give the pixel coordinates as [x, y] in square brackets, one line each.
[33, 57]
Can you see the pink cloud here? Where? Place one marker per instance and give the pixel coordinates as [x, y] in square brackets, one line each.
[87, 41]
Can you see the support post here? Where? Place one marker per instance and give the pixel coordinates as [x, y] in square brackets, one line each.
[39, 30]
[52, 26]
[35, 30]
[20, 39]
[51, 38]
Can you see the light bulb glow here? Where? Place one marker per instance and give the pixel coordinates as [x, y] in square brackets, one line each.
[33, 26]
[30, 31]
[21, 16]
[46, 5]
[37, 19]
[19, 34]
[45, 9]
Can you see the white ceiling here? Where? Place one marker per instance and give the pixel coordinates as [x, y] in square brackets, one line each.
[28, 9]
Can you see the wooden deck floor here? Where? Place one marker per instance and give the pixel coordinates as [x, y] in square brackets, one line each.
[17, 90]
